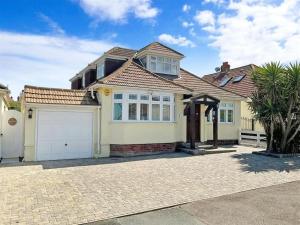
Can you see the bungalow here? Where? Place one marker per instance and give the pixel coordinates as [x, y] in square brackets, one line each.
[128, 102]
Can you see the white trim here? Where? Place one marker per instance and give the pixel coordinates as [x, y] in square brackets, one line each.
[125, 102]
[226, 114]
[39, 105]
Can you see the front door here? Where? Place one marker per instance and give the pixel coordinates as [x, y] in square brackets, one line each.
[12, 134]
[196, 123]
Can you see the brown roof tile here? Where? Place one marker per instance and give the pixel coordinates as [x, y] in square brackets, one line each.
[201, 86]
[133, 75]
[44, 95]
[123, 52]
[158, 47]
[244, 87]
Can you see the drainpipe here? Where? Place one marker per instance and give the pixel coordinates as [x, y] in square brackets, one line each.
[99, 132]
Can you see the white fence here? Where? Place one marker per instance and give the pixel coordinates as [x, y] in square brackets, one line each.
[249, 137]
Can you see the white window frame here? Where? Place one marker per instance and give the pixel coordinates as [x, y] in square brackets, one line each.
[174, 62]
[223, 106]
[125, 103]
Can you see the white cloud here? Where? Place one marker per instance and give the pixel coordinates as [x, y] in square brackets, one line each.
[173, 40]
[205, 17]
[257, 31]
[44, 60]
[52, 24]
[118, 10]
[186, 24]
[217, 2]
[186, 8]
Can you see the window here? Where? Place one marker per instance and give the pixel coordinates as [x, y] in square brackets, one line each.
[144, 112]
[155, 112]
[117, 111]
[166, 65]
[226, 113]
[224, 81]
[238, 78]
[100, 70]
[143, 107]
[118, 107]
[132, 110]
[166, 113]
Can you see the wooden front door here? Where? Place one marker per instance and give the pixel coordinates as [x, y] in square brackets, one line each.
[196, 124]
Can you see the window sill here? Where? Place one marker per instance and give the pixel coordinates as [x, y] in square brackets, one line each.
[141, 122]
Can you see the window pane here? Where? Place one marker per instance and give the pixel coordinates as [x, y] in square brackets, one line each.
[155, 98]
[117, 111]
[166, 98]
[167, 68]
[153, 66]
[166, 112]
[132, 111]
[168, 60]
[118, 96]
[174, 69]
[155, 112]
[153, 58]
[160, 67]
[209, 117]
[144, 112]
[222, 116]
[132, 96]
[230, 116]
[100, 70]
[145, 97]
[160, 59]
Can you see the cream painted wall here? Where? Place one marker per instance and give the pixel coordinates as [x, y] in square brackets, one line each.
[30, 127]
[246, 113]
[118, 132]
[227, 131]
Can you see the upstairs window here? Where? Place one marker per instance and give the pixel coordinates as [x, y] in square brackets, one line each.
[165, 65]
[100, 70]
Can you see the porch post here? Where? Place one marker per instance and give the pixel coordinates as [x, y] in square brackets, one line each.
[215, 126]
[192, 125]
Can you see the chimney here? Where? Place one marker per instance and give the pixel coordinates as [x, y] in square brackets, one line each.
[225, 67]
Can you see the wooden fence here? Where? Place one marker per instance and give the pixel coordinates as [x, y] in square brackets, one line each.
[250, 137]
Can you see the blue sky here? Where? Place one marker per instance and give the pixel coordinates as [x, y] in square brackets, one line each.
[46, 42]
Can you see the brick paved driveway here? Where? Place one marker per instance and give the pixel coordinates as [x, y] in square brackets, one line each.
[79, 191]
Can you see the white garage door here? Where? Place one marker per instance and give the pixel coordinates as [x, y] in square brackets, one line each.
[64, 135]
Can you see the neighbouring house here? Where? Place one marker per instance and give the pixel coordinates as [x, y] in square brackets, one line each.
[128, 102]
[237, 80]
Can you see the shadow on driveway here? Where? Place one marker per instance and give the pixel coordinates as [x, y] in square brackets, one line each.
[258, 163]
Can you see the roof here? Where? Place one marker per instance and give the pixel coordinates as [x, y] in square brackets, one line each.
[200, 86]
[244, 87]
[158, 47]
[42, 95]
[133, 75]
[123, 52]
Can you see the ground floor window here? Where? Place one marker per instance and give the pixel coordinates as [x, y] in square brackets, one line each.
[143, 107]
[226, 113]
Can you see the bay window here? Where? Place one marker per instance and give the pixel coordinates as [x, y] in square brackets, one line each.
[143, 107]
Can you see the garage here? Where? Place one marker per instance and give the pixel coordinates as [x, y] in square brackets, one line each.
[60, 124]
[64, 135]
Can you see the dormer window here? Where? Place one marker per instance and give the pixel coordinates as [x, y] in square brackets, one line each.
[164, 65]
[100, 70]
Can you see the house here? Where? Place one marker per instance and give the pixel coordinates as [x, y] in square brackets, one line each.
[128, 102]
[237, 80]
